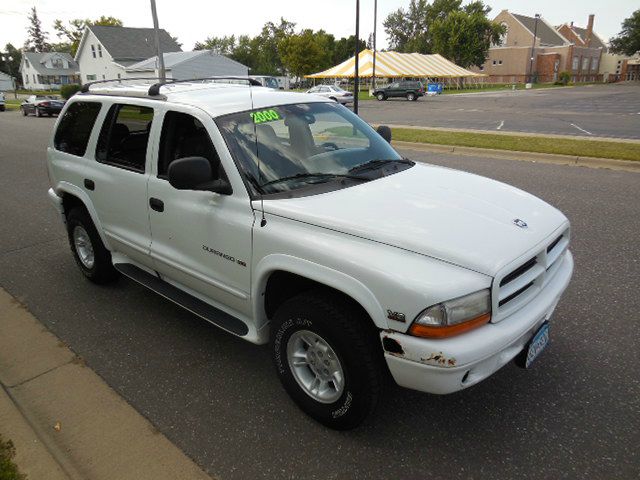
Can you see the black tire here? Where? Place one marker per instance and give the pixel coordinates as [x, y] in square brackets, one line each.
[2, 108]
[24, 111]
[411, 97]
[102, 270]
[353, 338]
[381, 97]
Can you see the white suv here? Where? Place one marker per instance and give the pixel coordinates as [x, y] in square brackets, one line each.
[283, 218]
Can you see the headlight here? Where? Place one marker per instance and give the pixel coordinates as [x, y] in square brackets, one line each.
[453, 317]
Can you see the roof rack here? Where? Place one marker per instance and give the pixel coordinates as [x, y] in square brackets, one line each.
[154, 89]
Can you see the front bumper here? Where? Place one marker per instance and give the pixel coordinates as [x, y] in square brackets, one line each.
[448, 365]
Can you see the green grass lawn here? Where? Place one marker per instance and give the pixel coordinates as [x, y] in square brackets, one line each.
[577, 147]
[13, 104]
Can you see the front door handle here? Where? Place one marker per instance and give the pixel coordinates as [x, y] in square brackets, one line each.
[156, 204]
[89, 184]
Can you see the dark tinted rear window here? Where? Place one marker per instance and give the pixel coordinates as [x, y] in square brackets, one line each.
[75, 127]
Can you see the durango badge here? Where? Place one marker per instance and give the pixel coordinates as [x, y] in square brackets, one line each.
[520, 223]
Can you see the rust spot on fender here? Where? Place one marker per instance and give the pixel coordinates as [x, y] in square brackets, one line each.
[439, 359]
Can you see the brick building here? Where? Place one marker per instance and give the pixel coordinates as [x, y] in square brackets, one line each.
[556, 49]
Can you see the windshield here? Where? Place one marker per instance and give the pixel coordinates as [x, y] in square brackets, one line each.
[305, 144]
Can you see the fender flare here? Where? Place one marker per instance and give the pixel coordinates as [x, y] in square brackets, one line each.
[342, 282]
[70, 189]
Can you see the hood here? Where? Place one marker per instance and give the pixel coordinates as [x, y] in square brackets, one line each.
[450, 215]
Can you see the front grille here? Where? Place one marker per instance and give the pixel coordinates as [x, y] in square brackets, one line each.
[518, 286]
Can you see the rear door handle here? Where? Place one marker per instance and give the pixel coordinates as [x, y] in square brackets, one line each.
[89, 184]
[156, 204]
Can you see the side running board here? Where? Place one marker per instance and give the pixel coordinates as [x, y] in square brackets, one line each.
[185, 300]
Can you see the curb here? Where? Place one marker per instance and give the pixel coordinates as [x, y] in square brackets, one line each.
[65, 421]
[591, 162]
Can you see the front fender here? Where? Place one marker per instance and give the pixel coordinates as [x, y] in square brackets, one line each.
[316, 272]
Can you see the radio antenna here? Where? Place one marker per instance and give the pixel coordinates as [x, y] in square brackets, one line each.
[263, 219]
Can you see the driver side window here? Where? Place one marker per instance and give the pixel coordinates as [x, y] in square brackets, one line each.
[185, 136]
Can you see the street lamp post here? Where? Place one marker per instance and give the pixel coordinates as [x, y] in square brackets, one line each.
[375, 24]
[533, 47]
[356, 80]
[8, 59]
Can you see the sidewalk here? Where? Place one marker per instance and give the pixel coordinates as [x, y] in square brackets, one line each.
[65, 421]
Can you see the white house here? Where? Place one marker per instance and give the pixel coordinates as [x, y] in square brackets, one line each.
[47, 71]
[6, 82]
[186, 65]
[105, 52]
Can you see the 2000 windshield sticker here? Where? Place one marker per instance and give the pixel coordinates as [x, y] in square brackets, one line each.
[265, 116]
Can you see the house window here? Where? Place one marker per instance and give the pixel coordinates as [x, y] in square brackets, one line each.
[494, 62]
[100, 50]
[26, 79]
[34, 78]
[90, 78]
[56, 63]
[26, 62]
[594, 64]
[499, 62]
[585, 64]
[575, 63]
[482, 68]
[119, 76]
[93, 51]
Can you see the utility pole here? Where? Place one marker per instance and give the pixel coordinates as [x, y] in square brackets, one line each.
[356, 80]
[375, 25]
[533, 47]
[161, 71]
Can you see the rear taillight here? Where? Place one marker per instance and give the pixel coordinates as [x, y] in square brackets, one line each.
[44, 104]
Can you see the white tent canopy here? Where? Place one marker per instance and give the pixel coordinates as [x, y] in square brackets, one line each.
[394, 64]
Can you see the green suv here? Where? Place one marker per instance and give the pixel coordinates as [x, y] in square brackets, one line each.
[411, 90]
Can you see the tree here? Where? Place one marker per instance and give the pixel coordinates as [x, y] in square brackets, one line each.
[627, 42]
[73, 31]
[345, 48]
[11, 67]
[269, 60]
[464, 37]
[461, 34]
[302, 53]
[37, 38]
[220, 45]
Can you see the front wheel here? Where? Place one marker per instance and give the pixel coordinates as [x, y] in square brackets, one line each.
[411, 97]
[24, 111]
[328, 358]
[381, 97]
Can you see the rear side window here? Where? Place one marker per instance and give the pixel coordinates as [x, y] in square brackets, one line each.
[124, 137]
[75, 128]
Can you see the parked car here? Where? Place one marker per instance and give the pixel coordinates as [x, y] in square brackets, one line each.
[2, 102]
[40, 105]
[410, 90]
[284, 218]
[332, 92]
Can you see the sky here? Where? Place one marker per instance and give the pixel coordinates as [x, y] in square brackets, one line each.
[193, 20]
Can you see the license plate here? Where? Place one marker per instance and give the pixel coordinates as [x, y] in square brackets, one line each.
[537, 344]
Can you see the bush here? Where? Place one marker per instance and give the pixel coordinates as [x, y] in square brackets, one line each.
[67, 91]
[8, 469]
[564, 78]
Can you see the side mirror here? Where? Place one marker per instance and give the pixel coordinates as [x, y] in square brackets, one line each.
[194, 173]
[384, 132]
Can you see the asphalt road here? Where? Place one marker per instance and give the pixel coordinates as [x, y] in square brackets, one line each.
[575, 415]
[593, 110]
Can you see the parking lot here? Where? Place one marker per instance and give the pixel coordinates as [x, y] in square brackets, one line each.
[591, 110]
[575, 415]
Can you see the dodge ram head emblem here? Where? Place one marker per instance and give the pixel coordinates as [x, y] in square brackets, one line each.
[519, 223]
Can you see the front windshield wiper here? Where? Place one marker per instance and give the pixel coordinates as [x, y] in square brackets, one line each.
[377, 163]
[308, 175]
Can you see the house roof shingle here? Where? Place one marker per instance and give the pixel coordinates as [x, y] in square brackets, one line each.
[129, 45]
[37, 61]
[547, 35]
[596, 41]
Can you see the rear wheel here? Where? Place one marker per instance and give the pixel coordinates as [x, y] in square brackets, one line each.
[411, 96]
[90, 254]
[328, 358]
[24, 111]
[381, 97]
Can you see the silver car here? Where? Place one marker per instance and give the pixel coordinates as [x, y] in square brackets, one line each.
[333, 92]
